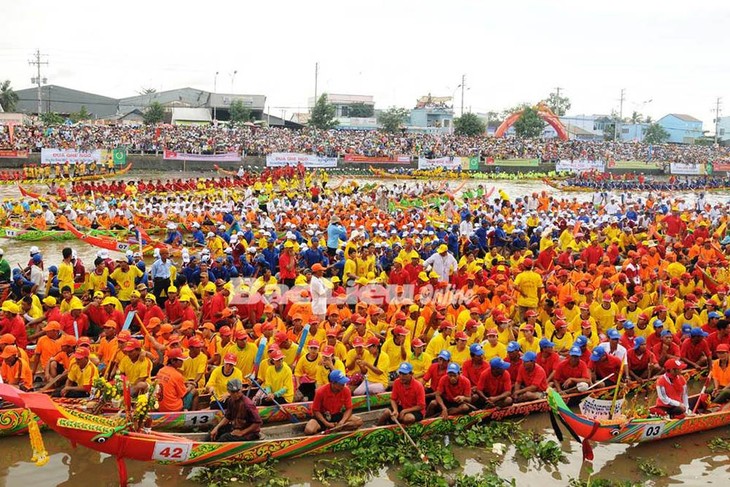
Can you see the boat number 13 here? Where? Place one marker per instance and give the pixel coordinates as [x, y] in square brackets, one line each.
[175, 452]
[653, 431]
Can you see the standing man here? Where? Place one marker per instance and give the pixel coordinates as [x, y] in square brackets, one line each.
[528, 284]
[318, 291]
[443, 263]
[241, 421]
[66, 269]
[160, 273]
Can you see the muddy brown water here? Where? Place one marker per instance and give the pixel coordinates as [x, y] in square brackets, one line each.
[686, 460]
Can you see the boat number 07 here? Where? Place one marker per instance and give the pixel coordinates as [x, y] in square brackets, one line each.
[176, 452]
[653, 431]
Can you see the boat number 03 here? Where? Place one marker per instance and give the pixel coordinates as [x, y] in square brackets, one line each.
[652, 431]
[198, 419]
[175, 452]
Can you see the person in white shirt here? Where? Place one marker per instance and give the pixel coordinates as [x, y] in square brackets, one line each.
[318, 291]
[612, 346]
[442, 263]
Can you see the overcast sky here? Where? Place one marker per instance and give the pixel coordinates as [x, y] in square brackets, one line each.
[673, 53]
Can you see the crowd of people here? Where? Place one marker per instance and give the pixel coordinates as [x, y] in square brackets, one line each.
[450, 305]
[258, 141]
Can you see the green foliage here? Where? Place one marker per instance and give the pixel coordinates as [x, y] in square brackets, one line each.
[360, 110]
[155, 113]
[261, 474]
[8, 96]
[323, 114]
[239, 112]
[392, 119]
[51, 118]
[719, 444]
[655, 134]
[591, 482]
[651, 469]
[532, 445]
[469, 124]
[529, 124]
[486, 434]
[558, 104]
[483, 480]
[82, 114]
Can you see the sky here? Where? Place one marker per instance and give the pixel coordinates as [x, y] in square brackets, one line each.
[669, 52]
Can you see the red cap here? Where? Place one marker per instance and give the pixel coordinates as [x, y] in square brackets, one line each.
[281, 337]
[358, 342]
[400, 315]
[674, 364]
[528, 328]
[175, 353]
[527, 262]
[81, 353]
[585, 324]
[225, 331]
[276, 355]
[471, 324]
[328, 351]
[195, 342]
[132, 345]
[373, 341]
[723, 347]
[417, 342]
[313, 344]
[584, 306]
[460, 335]
[399, 330]
[607, 296]
[493, 332]
[530, 313]
[230, 358]
[241, 335]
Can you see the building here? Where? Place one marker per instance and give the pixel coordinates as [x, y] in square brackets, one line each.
[432, 114]
[190, 116]
[682, 129]
[633, 132]
[723, 129]
[353, 112]
[65, 101]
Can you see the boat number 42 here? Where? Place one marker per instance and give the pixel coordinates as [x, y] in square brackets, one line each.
[175, 452]
[653, 431]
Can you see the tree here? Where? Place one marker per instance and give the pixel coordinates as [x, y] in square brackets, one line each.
[155, 113]
[529, 124]
[655, 134]
[469, 124]
[393, 119]
[51, 118]
[8, 96]
[147, 91]
[323, 114]
[636, 117]
[239, 112]
[82, 114]
[360, 110]
[558, 104]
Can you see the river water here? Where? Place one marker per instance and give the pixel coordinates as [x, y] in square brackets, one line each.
[686, 460]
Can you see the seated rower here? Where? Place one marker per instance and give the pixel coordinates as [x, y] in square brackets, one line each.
[221, 375]
[672, 398]
[136, 367]
[278, 382]
[453, 394]
[175, 393]
[720, 374]
[332, 406]
[602, 365]
[241, 421]
[571, 372]
[494, 388]
[531, 380]
[81, 375]
[641, 363]
[15, 370]
[408, 399]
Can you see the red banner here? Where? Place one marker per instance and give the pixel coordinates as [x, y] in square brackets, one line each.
[721, 166]
[377, 160]
[13, 154]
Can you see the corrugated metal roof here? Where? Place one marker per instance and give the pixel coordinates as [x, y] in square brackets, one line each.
[191, 114]
[684, 117]
[59, 99]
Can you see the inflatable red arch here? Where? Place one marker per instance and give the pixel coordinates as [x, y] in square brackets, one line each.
[544, 112]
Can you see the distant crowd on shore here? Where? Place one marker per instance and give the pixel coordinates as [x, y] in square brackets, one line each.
[259, 141]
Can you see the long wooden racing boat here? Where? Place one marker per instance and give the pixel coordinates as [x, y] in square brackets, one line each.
[15, 421]
[76, 179]
[618, 189]
[633, 430]
[32, 235]
[121, 245]
[108, 436]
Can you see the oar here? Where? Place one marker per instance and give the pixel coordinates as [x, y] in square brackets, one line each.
[257, 360]
[591, 386]
[424, 458]
[702, 392]
[367, 391]
[302, 342]
[218, 403]
[292, 418]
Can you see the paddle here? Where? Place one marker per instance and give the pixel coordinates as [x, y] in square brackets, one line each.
[423, 457]
[292, 418]
[257, 360]
[367, 391]
[591, 386]
[702, 393]
[128, 320]
[302, 342]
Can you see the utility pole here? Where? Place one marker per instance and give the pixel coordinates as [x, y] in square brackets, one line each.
[316, 79]
[215, 89]
[38, 80]
[463, 84]
[620, 114]
[717, 118]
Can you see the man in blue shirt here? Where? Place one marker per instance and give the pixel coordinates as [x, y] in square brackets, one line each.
[314, 255]
[160, 274]
[335, 233]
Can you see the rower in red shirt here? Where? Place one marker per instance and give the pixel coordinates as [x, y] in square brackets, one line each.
[695, 351]
[571, 371]
[513, 358]
[495, 385]
[453, 394]
[603, 365]
[547, 358]
[332, 406]
[531, 382]
[473, 368]
[642, 363]
[437, 370]
[628, 336]
[671, 388]
[407, 400]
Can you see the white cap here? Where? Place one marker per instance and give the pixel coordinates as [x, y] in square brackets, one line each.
[210, 234]
[2, 252]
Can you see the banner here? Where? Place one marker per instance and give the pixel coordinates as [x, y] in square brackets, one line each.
[281, 159]
[685, 169]
[599, 408]
[474, 163]
[580, 165]
[13, 154]
[378, 160]
[72, 156]
[449, 163]
[721, 166]
[120, 157]
[169, 155]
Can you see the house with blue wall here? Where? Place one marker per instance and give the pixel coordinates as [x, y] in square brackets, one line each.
[682, 129]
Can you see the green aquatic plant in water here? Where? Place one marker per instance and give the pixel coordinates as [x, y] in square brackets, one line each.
[259, 475]
[651, 469]
[719, 444]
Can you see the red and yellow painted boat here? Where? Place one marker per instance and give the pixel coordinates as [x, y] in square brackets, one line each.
[634, 430]
[121, 245]
[15, 421]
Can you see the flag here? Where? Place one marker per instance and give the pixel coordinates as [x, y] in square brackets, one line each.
[119, 157]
